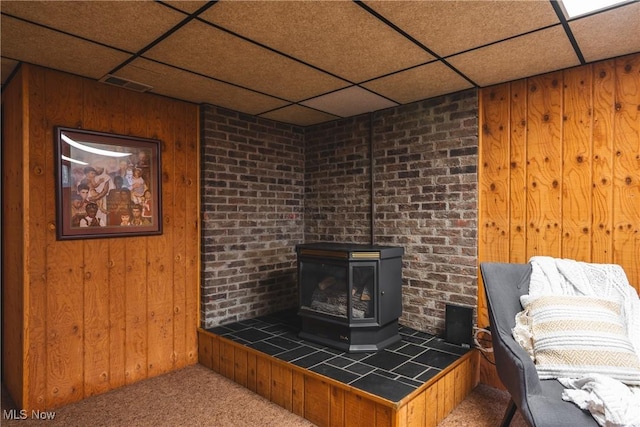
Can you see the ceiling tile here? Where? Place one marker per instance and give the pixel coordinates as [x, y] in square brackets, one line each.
[128, 25]
[448, 27]
[529, 55]
[349, 102]
[181, 84]
[354, 44]
[418, 83]
[40, 46]
[299, 115]
[611, 33]
[186, 5]
[212, 52]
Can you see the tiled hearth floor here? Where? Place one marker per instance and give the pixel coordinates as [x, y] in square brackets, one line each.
[391, 373]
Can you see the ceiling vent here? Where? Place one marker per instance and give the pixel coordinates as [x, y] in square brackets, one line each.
[125, 83]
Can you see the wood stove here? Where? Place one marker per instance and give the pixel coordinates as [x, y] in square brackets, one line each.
[350, 296]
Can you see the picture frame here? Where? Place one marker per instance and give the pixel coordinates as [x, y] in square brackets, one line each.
[107, 185]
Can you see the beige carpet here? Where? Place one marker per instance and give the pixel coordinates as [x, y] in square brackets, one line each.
[197, 396]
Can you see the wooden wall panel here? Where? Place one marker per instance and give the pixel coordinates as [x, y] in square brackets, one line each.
[602, 162]
[626, 167]
[574, 175]
[35, 325]
[15, 296]
[100, 313]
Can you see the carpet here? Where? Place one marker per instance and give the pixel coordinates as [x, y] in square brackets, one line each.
[197, 396]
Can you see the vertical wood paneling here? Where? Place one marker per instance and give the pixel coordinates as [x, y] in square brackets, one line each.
[602, 162]
[16, 296]
[241, 367]
[626, 167]
[579, 131]
[65, 264]
[281, 386]
[87, 303]
[358, 412]
[576, 169]
[36, 297]
[179, 244]
[136, 258]
[316, 401]
[336, 416]
[494, 155]
[298, 393]
[98, 100]
[544, 160]
[517, 172]
[192, 233]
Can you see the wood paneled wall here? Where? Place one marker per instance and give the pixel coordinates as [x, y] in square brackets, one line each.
[559, 171]
[88, 316]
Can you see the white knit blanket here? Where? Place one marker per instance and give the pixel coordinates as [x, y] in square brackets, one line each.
[611, 402]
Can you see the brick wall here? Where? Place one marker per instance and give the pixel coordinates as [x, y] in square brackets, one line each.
[425, 196]
[252, 198]
[258, 176]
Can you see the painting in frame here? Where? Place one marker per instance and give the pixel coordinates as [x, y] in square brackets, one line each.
[107, 185]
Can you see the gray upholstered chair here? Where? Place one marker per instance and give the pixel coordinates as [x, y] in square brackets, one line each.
[539, 401]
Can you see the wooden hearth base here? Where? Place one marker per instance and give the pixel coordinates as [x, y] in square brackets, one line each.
[326, 402]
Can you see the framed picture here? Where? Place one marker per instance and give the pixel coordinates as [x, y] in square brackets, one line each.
[107, 185]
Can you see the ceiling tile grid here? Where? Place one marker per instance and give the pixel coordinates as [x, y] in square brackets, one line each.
[307, 62]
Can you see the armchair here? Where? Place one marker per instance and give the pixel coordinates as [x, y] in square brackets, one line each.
[539, 401]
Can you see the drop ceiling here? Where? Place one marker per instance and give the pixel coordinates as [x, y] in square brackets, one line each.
[308, 62]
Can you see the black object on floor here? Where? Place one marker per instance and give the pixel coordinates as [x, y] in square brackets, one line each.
[391, 373]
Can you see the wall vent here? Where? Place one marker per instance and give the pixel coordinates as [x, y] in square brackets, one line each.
[125, 83]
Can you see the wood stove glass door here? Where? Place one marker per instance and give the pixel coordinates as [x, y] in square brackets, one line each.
[363, 290]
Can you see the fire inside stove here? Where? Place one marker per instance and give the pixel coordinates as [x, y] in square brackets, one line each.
[350, 295]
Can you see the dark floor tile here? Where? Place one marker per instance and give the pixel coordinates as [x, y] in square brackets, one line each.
[427, 375]
[235, 326]
[410, 369]
[252, 335]
[385, 359]
[410, 381]
[336, 373]
[356, 356]
[296, 353]
[411, 349]
[383, 387]
[312, 359]
[278, 329]
[340, 361]
[385, 373]
[440, 344]
[282, 342]
[425, 336]
[415, 340]
[266, 348]
[436, 358]
[360, 368]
